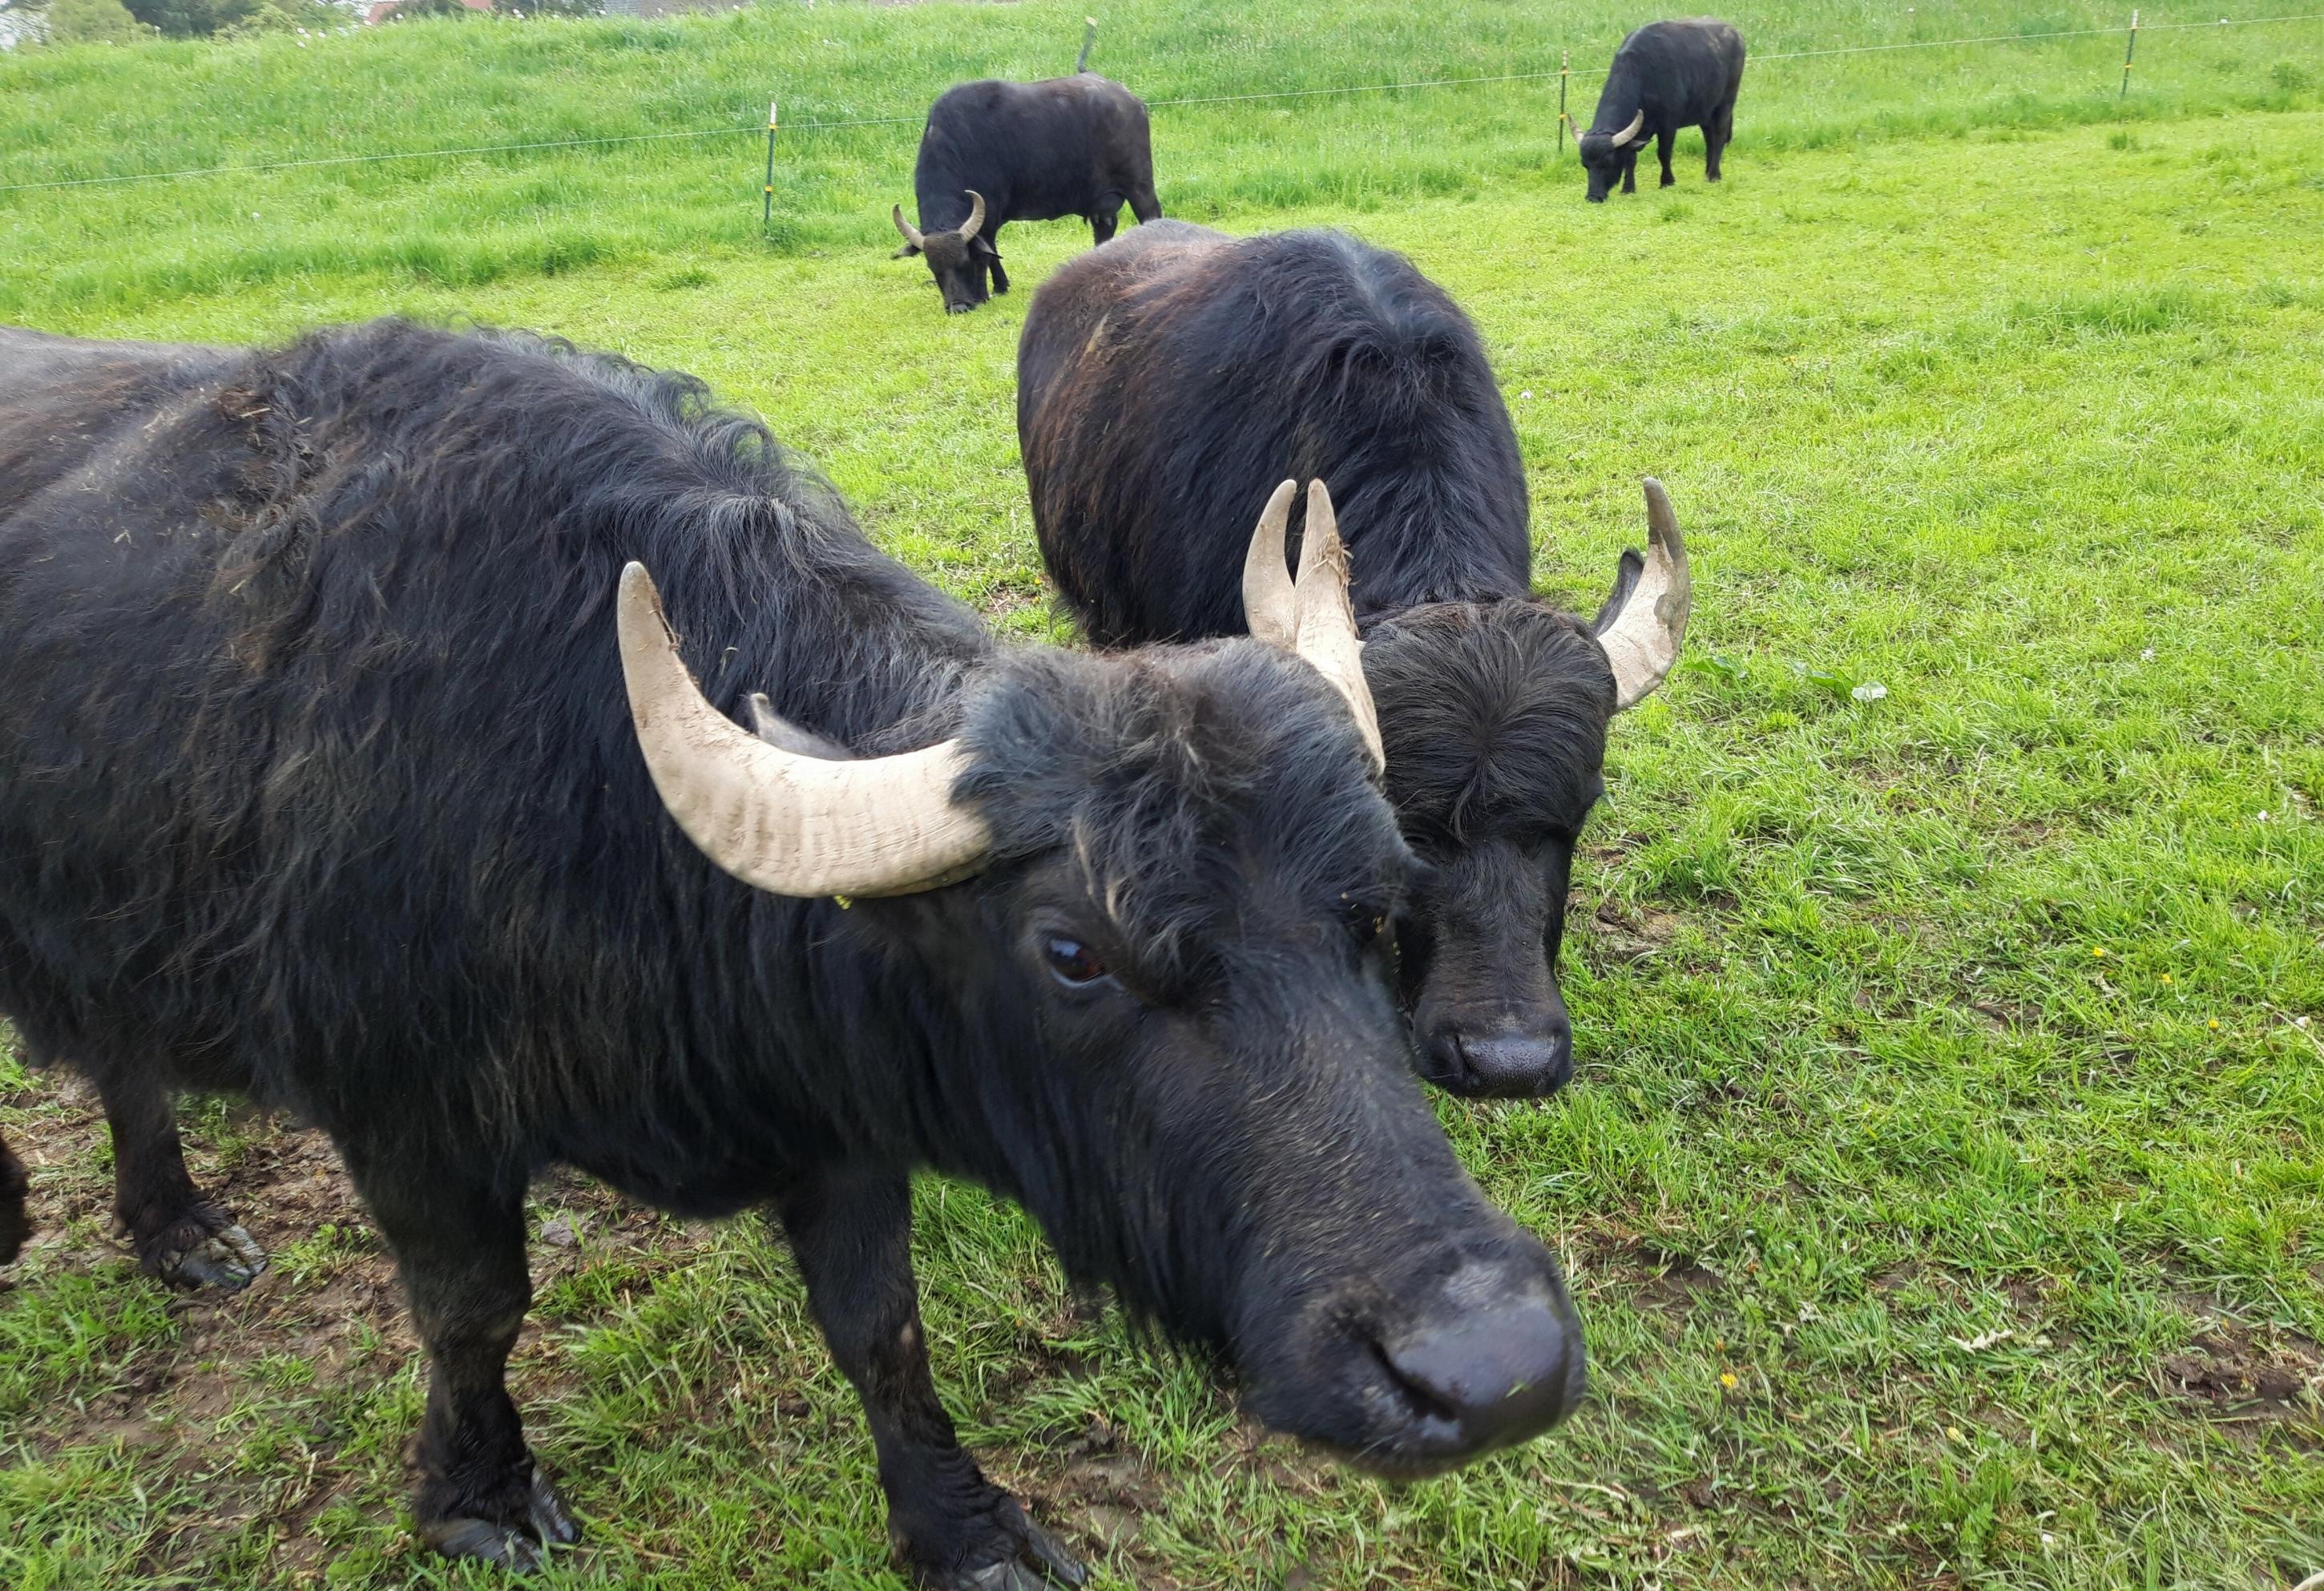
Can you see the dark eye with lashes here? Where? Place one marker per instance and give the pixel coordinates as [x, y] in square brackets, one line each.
[1074, 964]
[1367, 924]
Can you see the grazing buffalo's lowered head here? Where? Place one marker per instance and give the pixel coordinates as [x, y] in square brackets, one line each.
[1494, 716]
[1604, 155]
[1153, 887]
[960, 258]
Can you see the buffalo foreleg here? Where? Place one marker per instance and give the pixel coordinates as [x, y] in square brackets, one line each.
[1630, 169]
[952, 1528]
[15, 1224]
[992, 261]
[458, 1238]
[1663, 142]
[180, 1237]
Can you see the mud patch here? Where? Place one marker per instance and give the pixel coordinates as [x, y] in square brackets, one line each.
[2229, 1369]
[301, 1362]
[1630, 933]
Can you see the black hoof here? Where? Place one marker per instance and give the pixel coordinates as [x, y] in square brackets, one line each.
[203, 1249]
[1033, 1561]
[521, 1545]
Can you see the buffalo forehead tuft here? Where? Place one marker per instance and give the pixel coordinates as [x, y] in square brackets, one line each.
[1170, 777]
[1495, 716]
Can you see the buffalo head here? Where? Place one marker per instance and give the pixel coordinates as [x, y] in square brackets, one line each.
[1604, 156]
[961, 260]
[1147, 893]
[1494, 716]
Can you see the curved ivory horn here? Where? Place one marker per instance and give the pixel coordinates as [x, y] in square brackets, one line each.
[1311, 618]
[788, 824]
[1268, 609]
[1327, 621]
[975, 222]
[1642, 641]
[911, 232]
[1630, 132]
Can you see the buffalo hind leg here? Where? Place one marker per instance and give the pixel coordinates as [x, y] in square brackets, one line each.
[1715, 137]
[953, 1528]
[180, 1237]
[459, 1240]
[16, 1222]
[1664, 140]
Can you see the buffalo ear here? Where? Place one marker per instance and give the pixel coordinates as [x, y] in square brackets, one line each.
[906, 253]
[1627, 575]
[985, 250]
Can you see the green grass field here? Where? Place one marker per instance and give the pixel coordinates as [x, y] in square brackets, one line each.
[1942, 1183]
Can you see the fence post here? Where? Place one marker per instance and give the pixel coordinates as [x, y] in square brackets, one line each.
[2129, 50]
[1564, 61]
[767, 215]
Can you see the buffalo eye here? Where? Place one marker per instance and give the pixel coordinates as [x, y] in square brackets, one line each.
[1073, 964]
[1367, 924]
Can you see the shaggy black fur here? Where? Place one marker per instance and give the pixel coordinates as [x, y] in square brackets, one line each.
[1167, 382]
[1681, 74]
[1064, 146]
[320, 785]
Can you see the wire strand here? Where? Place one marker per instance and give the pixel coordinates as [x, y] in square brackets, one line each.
[423, 154]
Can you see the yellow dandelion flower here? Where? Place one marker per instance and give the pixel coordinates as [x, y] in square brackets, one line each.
[1954, 1432]
[2215, 1024]
[2099, 951]
[1726, 1379]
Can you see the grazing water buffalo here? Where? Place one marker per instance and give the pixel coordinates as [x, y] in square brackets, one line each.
[1166, 381]
[1666, 75]
[995, 153]
[334, 770]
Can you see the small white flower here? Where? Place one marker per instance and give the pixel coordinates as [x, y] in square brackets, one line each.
[1526, 394]
[2148, 656]
[1870, 690]
[2263, 817]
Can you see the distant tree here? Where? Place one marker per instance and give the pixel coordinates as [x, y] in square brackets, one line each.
[20, 20]
[189, 19]
[405, 10]
[287, 16]
[91, 21]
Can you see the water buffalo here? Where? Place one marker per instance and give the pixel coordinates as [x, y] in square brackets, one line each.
[335, 769]
[994, 153]
[1164, 381]
[1666, 75]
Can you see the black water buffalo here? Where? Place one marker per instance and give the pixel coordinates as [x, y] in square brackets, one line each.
[334, 770]
[1666, 75]
[994, 153]
[1165, 382]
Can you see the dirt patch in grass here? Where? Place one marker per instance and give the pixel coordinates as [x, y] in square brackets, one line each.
[1629, 933]
[2235, 1371]
[299, 1357]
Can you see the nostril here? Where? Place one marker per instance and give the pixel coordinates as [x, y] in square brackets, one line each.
[1488, 1376]
[1518, 1063]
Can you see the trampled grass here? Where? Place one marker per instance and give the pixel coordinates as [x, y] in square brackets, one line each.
[1941, 1182]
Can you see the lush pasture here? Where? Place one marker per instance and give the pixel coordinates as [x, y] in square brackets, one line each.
[1941, 1182]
